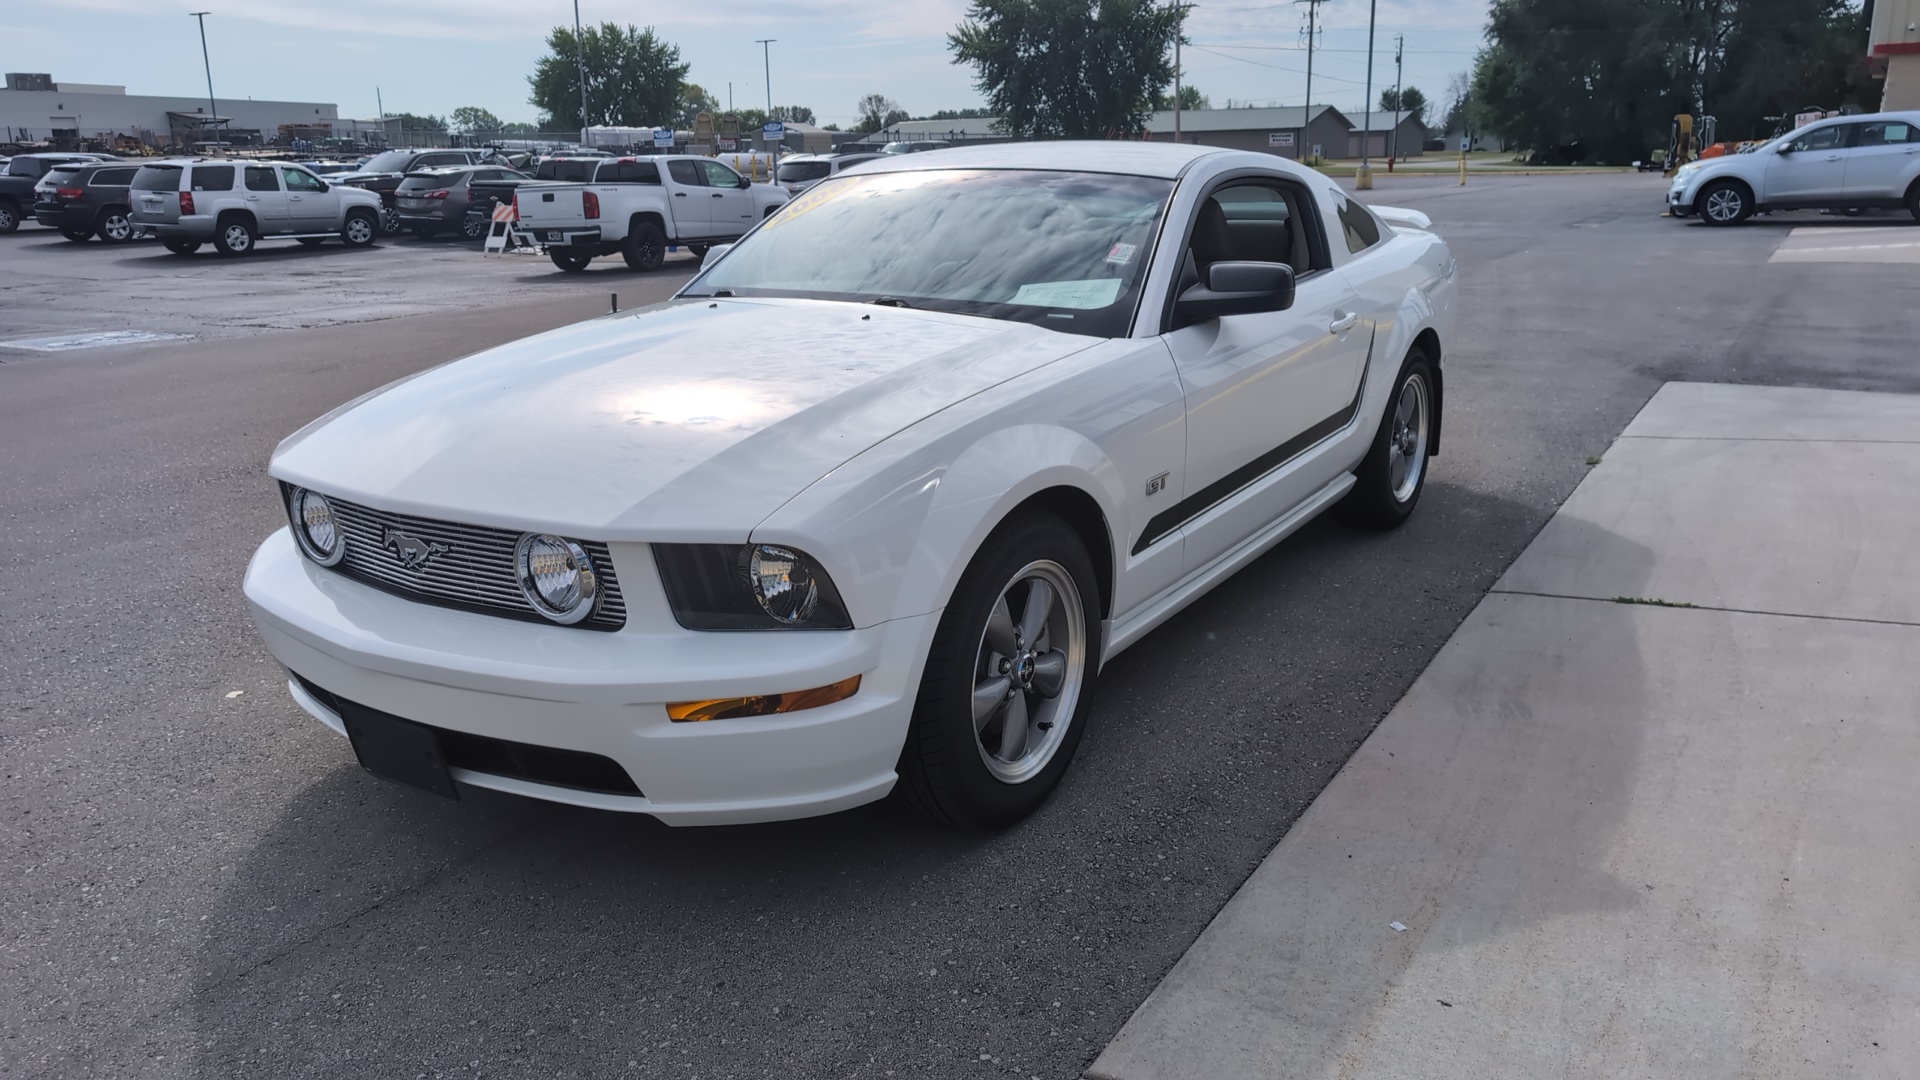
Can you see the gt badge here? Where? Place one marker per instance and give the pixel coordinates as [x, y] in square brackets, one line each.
[414, 552]
[1156, 485]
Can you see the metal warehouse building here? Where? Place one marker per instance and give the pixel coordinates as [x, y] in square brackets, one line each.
[35, 109]
[1293, 131]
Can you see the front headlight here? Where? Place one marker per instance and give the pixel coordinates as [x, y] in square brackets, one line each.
[748, 587]
[557, 577]
[314, 526]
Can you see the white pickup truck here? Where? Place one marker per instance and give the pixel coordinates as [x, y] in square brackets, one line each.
[636, 206]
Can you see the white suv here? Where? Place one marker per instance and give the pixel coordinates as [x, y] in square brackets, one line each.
[1843, 162]
[236, 204]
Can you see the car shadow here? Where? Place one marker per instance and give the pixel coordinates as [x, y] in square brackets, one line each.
[523, 934]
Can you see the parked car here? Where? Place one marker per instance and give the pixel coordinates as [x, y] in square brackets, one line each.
[636, 206]
[979, 421]
[24, 173]
[236, 204]
[434, 201]
[330, 168]
[88, 199]
[799, 172]
[915, 147]
[382, 173]
[1862, 162]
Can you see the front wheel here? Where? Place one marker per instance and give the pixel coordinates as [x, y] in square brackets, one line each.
[1008, 685]
[361, 228]
[181, 247]
[1389, 481]
[1913, 200]
[114, 226]
[568, 261]
[1725, 203]
[645, 249]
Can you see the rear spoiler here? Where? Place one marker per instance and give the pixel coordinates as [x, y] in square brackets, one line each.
[1403, 218]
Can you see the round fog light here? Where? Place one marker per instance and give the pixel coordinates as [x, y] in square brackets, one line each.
[314, 526]
[557, 577]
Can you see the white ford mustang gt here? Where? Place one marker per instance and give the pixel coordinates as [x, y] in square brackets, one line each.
[869, 503]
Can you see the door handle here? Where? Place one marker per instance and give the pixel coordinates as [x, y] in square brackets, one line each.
[1343, 324]
[253, 198]
[679, 194]
[717, 195]
[1833, 157]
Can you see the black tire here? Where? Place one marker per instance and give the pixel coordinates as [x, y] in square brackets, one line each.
[1382, 497]
[426, 232]
[113, 226]
[9, 217]
[1913, 200]
[181, 247]
[78, 236]
[944, 770]
[569, 261]
[645, 248]
[311, 241]
[235, 235]
[1724, 202]
[361, 229]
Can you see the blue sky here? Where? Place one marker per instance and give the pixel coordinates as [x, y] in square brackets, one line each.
[431, 56]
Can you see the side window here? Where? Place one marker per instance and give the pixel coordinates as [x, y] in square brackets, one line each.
[685, 173]
[632, 172]
[302, 180]
[1831, 137]
[1357, 222]
[213, 178]
[719, 175]
[1255, 222]
[261, 178]
[429, 161]
[1886, 133]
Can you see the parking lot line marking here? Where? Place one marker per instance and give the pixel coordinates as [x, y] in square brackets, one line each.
[91, 339]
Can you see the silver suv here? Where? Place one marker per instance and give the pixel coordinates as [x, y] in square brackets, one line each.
[236, 204]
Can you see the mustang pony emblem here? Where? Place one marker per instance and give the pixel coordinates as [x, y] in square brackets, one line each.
[414, 552]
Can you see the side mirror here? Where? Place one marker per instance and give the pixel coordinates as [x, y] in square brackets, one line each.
[1238, 288]
[1785, 149]
[745, 183]
[715, 254]
[324, 186]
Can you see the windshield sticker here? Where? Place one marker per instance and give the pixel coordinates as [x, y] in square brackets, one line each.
[1120, 254]
[1081, 295]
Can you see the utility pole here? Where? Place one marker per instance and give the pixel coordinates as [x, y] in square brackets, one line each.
[1306, 117]
[1364, 181]
[213, 111]
[766, 59]
[580, 66]
[1398, 48]
[1179, 31]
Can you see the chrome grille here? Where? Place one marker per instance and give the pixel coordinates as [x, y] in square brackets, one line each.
[475, 573]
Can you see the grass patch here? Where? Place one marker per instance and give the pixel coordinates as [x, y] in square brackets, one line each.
[1651, 602]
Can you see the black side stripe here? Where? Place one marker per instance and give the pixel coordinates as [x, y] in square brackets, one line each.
[1170, 520]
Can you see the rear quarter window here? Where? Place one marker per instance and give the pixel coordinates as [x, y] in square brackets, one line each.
[213, 178]
[112, 177]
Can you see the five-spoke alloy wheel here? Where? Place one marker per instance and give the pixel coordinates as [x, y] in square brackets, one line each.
[1028, 671]
[1388, 483]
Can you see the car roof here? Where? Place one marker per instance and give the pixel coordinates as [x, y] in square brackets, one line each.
[1162, 160]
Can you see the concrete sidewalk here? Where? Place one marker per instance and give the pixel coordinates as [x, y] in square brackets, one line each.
[1653, 811]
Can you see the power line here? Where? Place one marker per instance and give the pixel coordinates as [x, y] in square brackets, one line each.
[1275, 67]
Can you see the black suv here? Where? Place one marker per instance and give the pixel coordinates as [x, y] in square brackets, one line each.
[88, 199]
[22, 173]
[383, 172]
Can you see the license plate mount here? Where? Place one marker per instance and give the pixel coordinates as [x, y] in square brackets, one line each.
[400, 750]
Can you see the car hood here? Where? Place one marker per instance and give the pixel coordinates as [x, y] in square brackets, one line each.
[690, 421]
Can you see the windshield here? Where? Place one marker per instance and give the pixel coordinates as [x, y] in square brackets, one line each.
[799, 172]
[1058, 249]
[389, 161]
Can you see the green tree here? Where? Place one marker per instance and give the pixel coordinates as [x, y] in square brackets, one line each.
[411, 122]
[1074, 68]
[516, 127]
[959, 114]
[694, 100]
[877, 111]
[634, 78]
[793, 114]
[1190, 99]
[1409, 101]
[471, 118]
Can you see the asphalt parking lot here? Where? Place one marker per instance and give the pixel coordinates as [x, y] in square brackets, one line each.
[199, 882]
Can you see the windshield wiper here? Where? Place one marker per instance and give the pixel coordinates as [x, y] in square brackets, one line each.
[889, 301]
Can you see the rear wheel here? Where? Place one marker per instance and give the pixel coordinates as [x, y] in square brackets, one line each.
[1389, 481]
[646, 247]
[181, 247]
[78, 236]
[114, 226]
[568, 261]
[1913, 200]
[361, 229]
[474, 226]
[9, 217]
[235, 236]
[1725, 203]
[1009, 680]
[311, 241]
[389, 221]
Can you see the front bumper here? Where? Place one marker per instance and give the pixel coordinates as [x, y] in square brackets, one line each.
[605, 693]
[1681, 191]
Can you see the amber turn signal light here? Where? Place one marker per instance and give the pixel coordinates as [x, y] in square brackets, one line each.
[689, 712]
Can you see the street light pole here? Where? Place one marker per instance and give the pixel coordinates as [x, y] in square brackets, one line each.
[580, 66]
[766, 58]
[213, 111]
[1364, 181]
